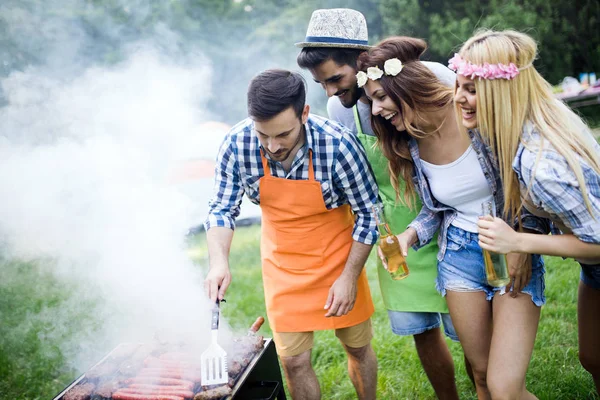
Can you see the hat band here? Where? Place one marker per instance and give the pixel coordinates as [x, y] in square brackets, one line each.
[326, 39]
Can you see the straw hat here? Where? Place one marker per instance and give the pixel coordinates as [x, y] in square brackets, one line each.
[337, 27]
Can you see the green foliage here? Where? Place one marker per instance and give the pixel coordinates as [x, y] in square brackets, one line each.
[243, 37]
[567, 35]
[32, 328]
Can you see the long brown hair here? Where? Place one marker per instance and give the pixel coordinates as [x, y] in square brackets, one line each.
[419, 89]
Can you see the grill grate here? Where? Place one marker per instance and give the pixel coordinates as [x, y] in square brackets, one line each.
[260, 379]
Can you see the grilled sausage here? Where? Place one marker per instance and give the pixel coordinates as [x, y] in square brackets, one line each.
[143, 386]
[171, 372]
[161, 381]
[178, 356]
[131, 396]
[153, 362]
[163, 390]
[257, 324]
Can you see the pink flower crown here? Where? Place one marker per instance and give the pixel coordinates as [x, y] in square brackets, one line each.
[485, 71]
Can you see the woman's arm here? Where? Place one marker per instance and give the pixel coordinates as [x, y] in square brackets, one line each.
[558, 245]
[423, 228]
[495, 235]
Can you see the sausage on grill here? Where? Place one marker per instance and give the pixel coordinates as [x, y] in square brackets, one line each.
[162, 390]
[161, 381]
[130, 396]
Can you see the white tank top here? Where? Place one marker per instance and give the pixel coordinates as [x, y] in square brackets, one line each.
[460, 185]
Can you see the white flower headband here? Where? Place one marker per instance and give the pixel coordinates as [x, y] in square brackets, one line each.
[392, 67]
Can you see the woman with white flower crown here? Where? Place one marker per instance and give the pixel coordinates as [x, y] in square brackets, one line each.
[454, 173]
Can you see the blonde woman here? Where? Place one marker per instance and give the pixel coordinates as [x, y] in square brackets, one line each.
[453, 173]
[548, 160]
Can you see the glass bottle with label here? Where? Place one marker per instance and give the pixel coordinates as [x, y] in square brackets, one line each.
[388, 242]
[496, 269]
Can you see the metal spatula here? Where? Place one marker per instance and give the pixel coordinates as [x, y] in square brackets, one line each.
[214, 359]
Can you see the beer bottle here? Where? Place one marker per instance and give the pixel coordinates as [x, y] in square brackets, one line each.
[496, 270]
[390, 247]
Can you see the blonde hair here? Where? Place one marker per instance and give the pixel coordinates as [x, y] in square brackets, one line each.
[419, 89]
[505, 106]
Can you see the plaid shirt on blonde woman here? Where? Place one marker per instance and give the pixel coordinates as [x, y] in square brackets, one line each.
[554, 189]
[340, 166]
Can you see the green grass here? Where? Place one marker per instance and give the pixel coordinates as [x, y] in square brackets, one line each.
[33, 367]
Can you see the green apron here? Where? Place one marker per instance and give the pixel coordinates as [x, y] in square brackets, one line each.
[417, 292]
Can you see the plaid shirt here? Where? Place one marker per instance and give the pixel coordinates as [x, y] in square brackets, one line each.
[339, 161]
[554, 189]
[435, 215]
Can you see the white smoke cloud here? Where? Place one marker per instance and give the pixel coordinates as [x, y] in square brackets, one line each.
[84, 166]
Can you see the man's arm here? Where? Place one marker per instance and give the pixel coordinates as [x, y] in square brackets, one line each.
[218, 278]
[342, 294]
[352, 173]
[224, 207]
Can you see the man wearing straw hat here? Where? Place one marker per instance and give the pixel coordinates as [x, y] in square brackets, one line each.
[334, 40]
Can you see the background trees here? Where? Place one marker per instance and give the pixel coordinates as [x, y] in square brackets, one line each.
[242, 37]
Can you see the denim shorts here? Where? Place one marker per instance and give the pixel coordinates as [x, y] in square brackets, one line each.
[408, 323]
[590, 275]
[462, 269]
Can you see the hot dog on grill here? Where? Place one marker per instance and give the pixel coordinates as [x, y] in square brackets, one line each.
[162, 390]
[257, 324]
[161, 381]
[131, 396]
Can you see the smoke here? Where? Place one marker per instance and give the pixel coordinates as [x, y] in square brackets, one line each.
[99, 103]
[86, 150]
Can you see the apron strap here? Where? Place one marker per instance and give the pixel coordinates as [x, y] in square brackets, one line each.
[311, 169]
[357, 120]
[265, 164]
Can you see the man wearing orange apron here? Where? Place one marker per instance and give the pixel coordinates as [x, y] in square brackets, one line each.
[315, 188]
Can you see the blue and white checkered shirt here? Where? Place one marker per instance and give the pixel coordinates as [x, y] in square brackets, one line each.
[553, 188]
[340, 166]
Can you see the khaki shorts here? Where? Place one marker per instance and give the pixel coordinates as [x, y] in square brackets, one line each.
[291, 344]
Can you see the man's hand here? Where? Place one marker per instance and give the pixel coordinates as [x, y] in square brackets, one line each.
[342, 296]
[216, 283]
[495, 235]
[519, 269]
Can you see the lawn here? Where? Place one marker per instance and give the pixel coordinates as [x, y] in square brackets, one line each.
[33, 367]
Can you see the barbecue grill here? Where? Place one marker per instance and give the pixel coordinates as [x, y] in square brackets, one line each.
[259, 380]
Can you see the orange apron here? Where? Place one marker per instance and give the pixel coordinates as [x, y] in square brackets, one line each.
[304, 248]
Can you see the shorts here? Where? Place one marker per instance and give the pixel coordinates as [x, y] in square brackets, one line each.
[463, 270]
[590, 275]
[291, 344]
[406, 323]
